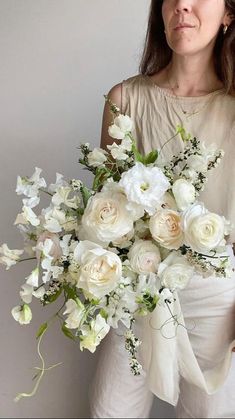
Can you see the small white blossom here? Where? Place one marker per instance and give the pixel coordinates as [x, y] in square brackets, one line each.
[22, 314]
[9, 257]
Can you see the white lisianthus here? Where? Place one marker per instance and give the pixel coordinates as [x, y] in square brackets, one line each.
[75, 311]
[165, 227]
[144, 256]
[97, 157]
[121, 127]
[144, 186]
[100, 270]
[30, 186]
[9, 257]
[203, 230]
[184, 193]
[93, 334]
[28, 216]
[106, 217]
[32, 279]
[22, 314]
[175, 272]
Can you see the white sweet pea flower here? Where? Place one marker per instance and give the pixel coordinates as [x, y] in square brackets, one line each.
[121, 127]
[64, 244]
[97, 157]
[106, 217]
[144, 186]
[175, 272]
[75, 311]
[165, 227]
[32, 279]
[60, 182]
[126, 144]
[26, 293]
[27, 217]
[62, 197]
[184, 193]
[54, 220]
[203, 230]
[144, 256]
[49, 244]
[117, 152]
[31, 202]
[22, 314]
[198, 163]
[39, 293]
[93, 334]
[9, 257]
[100, 270]
[30, 186]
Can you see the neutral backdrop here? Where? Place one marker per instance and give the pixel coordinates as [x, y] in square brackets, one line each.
[58, 58]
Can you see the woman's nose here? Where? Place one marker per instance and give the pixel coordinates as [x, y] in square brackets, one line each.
[183, 6]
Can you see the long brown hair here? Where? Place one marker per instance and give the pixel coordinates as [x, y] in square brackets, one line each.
[157, 53]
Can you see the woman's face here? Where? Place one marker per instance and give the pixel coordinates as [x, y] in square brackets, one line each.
[192, 25]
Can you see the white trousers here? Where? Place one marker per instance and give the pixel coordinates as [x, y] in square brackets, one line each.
[208, 307]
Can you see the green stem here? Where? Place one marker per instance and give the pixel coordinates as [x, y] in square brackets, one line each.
[23, 260]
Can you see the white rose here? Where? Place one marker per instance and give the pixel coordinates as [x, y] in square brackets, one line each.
[175, 272]
[165, 227]
[124, 241]
[22, 314]
[121, 127]
[203, 230]
[144, 256]
[75, 311]
[97, 157]
[184, 193]
[106, 217]
[93, 334]
[100, 270]
[144, 186]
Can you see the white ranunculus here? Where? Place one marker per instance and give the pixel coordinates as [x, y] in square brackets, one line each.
[9, 257]
[175, 272]
[184, 193]
[22, 314]
[75, 311]
[106, 217]
[144, 186]
[121, 127]
[93, 334]
[203, 230]
[144, 256]
[165, 227]
[100, 270]
[97, 157]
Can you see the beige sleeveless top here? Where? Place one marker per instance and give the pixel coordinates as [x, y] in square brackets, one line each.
[211, 118]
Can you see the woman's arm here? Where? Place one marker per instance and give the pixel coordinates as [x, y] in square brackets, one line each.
[115, 95]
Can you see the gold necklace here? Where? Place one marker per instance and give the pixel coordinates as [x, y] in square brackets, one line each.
[185, 112]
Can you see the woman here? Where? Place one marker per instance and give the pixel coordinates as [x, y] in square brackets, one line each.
[188, 78]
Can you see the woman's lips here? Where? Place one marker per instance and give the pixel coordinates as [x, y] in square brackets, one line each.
[183, 26]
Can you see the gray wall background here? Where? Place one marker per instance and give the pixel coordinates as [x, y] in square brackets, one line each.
[58, 58]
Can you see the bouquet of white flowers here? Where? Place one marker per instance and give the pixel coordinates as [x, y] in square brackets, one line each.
[114, 251]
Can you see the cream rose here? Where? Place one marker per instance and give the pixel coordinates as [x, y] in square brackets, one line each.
[175, 272]
[165, 227]
[99, 270]
[144, 256]
[106, 217]
[184, 193]
[203, 230]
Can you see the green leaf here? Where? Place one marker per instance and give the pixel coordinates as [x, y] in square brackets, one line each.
[151, 157]
[67, 332]
[138, 156]
[102, 174]
[104, 314]
[51, 298]
[70, 292]
[41, 330]
[86, 193]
